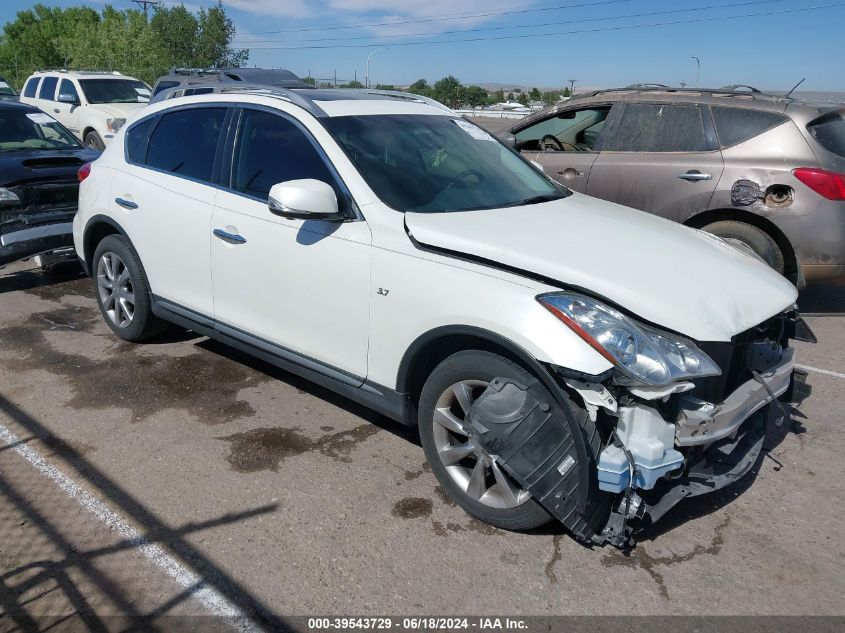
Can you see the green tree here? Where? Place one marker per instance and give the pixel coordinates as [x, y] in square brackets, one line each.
[535, 95]
[176, 31]
[352, 84]
[510, 96]
[567, 92]
[216, 31]
[550, 96]
[385, 87]
[500, 95]
[310, 81]
[420, 87]
[523, 98]
[448, 91]
[476, 96]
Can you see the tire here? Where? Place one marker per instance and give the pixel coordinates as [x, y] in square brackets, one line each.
[93, 140]
[469, 368]
[116, 265]
[763, 245]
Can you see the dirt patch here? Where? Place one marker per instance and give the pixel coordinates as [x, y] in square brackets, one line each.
[203, 383]
[640, 559]
[438, 490]
[412, 508]
[266, 448]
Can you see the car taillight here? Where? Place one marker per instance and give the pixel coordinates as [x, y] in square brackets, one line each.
[83, 172]
[825, 183]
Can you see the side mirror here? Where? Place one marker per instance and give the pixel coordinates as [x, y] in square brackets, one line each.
[509, 140]
[306, 199]
[67, 98]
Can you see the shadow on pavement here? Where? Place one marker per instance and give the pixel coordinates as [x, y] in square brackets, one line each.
[56, 573]
[823, 299]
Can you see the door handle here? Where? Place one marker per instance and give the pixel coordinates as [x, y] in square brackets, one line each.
[231, 238]
[126, 204]
[693, 175]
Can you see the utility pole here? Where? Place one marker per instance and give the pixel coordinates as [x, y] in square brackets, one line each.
[572, 87]
[698, 69]
[147, 4]
[368, 64]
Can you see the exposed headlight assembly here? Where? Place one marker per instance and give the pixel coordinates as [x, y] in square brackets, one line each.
[114, 124]
[8, 197]
[642, 354]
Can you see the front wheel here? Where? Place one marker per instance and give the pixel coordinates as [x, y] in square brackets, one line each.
[93, 140]
[465, 471]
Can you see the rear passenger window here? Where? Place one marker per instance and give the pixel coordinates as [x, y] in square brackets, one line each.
[137, 138]
[48, 88]
[30, 87]
[185, 141]
[829, 131]
[659, 128]
[271, 150]
[735, 125]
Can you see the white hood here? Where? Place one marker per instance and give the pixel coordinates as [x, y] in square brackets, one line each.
[680, 278]
[118, 110]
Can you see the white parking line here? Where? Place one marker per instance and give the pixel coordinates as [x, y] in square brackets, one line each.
[826, 372]
[215, 603]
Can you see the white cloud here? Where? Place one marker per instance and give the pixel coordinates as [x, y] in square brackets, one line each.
[284, 8]
[338, 12]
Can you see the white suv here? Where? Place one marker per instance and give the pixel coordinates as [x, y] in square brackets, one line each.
[564, 357]
[92, 105]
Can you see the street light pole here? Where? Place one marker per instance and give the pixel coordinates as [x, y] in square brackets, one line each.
[698, 69]
[368, 63]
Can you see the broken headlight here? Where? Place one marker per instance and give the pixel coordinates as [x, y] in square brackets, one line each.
[642, 354]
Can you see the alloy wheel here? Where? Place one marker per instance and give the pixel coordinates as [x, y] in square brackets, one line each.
[473, 469]
[114, 285]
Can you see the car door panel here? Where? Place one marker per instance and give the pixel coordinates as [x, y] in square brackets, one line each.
[164, 197]
[672, 184]
[302, 285]
[579, 133]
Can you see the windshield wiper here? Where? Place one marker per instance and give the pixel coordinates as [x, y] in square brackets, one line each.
[539, 199]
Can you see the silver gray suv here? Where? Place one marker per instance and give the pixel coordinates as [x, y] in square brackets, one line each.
[764, 170]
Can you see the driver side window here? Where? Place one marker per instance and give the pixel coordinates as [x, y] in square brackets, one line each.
[568, 131]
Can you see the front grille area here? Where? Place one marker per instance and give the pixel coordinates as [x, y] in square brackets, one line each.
[734, 358]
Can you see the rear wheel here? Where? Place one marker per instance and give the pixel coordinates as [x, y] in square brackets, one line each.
[760, 242]
[123, 293]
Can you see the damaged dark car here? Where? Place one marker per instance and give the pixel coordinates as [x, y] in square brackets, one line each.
[39, 187]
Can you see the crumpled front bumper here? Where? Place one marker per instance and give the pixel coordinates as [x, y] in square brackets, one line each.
[701, 423]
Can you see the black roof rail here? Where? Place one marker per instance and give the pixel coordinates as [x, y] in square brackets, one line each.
[300, 96]
[739, 87]
[736, 90]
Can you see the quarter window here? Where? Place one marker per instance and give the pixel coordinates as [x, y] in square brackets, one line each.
[48, 88]
[164, 85]
[185, 141]
[735, 125]
[271, 149]
[137, 138]
[31, 87]
[659, 128]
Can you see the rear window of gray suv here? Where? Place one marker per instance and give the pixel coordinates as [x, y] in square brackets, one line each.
[735, 125]
[829, 131]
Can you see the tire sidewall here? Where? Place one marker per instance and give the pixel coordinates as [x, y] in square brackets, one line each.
[143, 305]
[756, 239]
[484, 366]
[92, 140]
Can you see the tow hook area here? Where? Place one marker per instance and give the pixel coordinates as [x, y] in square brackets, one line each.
[531, 439]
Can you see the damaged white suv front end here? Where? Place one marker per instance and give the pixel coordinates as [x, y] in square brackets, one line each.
[682, 423]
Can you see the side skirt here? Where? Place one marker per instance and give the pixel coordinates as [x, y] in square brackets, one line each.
[389, 402]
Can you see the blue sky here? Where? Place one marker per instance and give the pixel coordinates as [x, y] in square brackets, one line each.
[769, 51]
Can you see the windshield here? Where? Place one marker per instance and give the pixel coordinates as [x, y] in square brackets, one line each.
[115, 90]
[829, 131]
[22, 129]
[5, 88]
[432, 163]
